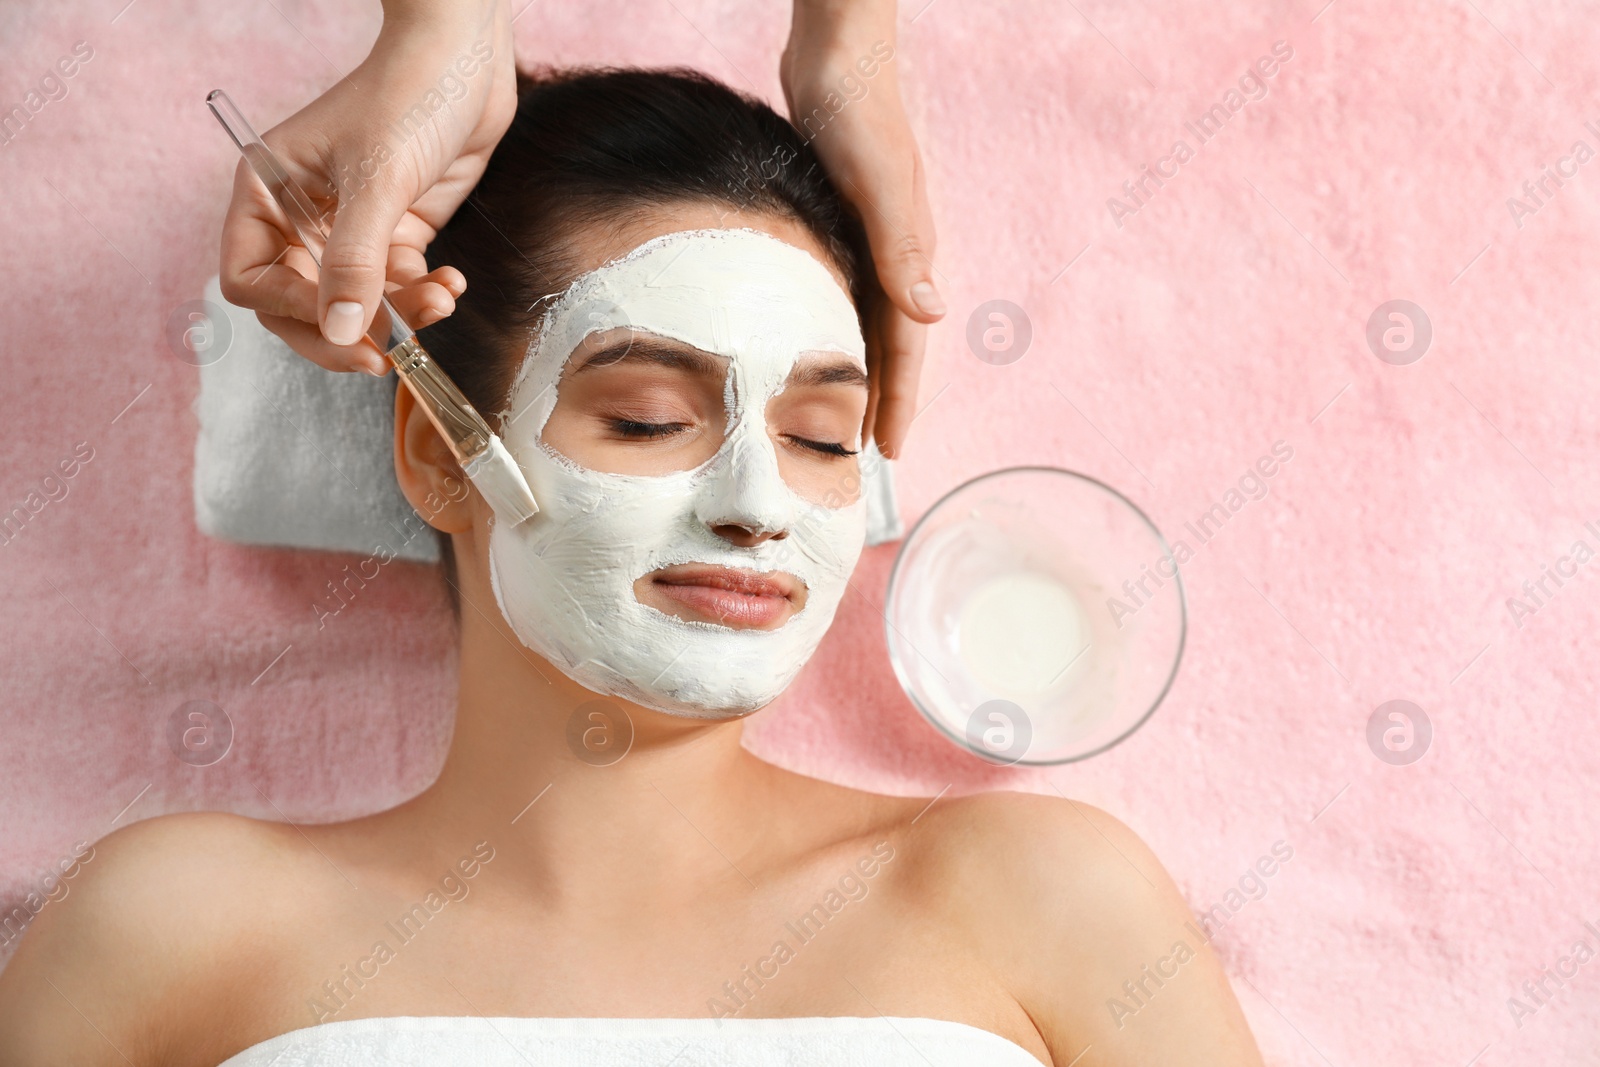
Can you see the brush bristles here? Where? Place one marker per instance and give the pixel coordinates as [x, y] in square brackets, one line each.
[497, 476]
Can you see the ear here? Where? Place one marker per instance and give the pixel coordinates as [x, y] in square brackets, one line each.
[428, 474]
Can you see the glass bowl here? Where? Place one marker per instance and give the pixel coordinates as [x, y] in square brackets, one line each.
[1035, 615]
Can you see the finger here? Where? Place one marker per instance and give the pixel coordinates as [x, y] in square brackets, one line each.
[904, 343]
[889, 196]
[355, 261]
[874, 367]
[424, 302]
[407, 258]
[257, 271]
[403, 270]
[452, 280]
[306, 339]
[437, 290]
[405, 265]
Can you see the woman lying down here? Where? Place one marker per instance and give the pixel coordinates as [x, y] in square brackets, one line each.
[602, 874]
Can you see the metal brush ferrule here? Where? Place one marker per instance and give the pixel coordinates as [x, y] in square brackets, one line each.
[457, 421]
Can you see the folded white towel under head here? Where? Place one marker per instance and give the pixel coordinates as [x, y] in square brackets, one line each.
[289, 454]
[447, 1041]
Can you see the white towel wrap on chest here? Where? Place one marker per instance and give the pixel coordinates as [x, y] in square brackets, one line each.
[409, 1041]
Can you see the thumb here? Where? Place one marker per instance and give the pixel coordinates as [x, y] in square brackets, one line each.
[900, 230]
[355, 259]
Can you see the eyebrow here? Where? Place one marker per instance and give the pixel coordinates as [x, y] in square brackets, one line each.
[695, 361]
[658, 352]
[839, 372]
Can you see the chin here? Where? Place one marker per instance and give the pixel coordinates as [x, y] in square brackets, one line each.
[729, 685]
[720, 705]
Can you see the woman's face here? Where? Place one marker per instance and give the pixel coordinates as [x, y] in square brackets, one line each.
[631, 402]
[688, 419]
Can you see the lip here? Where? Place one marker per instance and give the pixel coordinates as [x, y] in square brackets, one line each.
[737, 598]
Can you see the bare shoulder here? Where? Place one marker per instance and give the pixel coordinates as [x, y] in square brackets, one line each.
[1092, 936]
[1037, 857]
[151, 918]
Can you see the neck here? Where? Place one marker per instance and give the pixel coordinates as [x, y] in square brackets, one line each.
[542, 769]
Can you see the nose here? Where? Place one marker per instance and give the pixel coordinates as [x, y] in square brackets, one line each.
[745, 500]
[744, 536]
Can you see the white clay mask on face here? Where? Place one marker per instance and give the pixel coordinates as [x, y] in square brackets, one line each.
[564, 579]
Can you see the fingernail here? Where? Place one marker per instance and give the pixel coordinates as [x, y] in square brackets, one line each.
[926, 297]
[377, 370]
[342, 326]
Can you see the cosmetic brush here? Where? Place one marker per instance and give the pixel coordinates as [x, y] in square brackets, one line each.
[476, 448]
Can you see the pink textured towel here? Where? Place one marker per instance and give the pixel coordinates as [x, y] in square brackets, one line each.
[1185, 318]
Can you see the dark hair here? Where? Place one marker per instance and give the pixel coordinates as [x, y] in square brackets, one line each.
[591, 146]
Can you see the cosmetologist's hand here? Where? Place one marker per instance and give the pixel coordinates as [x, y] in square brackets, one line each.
[843, 90]
[392, 150]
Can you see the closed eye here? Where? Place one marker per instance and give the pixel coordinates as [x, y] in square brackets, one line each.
[828, 448]
[631, 428]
